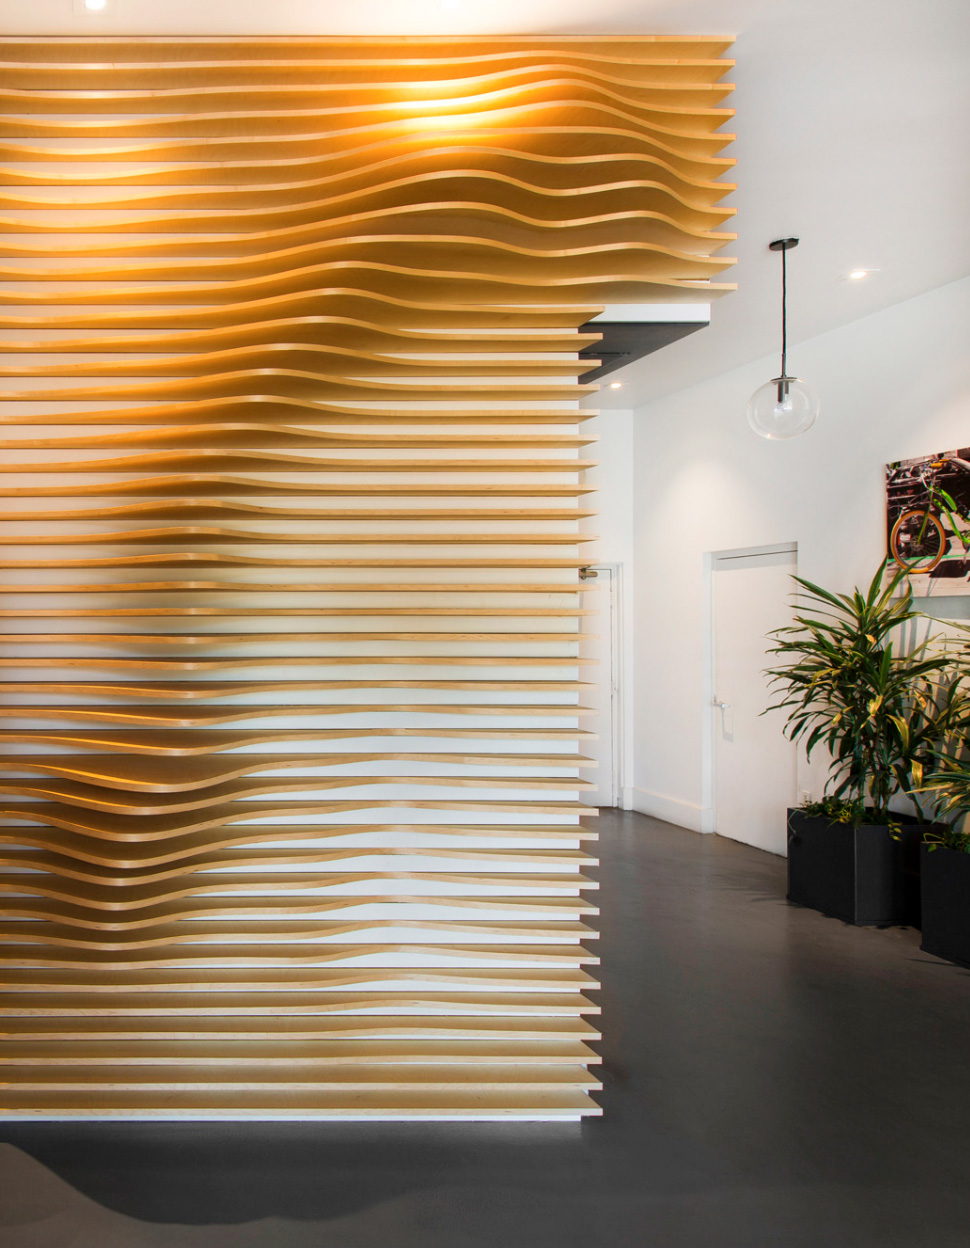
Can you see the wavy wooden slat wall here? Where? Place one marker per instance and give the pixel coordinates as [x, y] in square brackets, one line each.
[292, 475]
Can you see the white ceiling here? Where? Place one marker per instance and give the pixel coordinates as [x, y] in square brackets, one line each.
[852, 117]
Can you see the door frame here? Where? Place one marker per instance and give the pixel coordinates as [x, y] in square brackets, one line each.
[611, 611]
[708, 718]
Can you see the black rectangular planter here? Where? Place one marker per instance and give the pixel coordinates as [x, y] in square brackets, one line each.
[861, 875]
[945, 881]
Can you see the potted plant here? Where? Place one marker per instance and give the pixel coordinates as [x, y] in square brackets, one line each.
[880, 709]
[945, 863]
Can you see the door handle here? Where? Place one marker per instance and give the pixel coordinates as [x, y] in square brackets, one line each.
[727, 716]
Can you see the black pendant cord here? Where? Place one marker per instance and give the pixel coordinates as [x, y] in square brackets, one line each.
[783, 245]
[784, 312]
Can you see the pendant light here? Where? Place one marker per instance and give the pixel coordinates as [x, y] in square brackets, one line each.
[785, 406]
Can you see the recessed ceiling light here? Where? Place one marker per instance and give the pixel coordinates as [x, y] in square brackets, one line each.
[858, 274]
[95, 6]
[448, 4]
[616, 385]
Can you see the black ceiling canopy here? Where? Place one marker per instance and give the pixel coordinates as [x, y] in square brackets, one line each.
[626, 341]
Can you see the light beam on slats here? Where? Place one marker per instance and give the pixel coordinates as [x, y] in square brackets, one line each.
[293, 717]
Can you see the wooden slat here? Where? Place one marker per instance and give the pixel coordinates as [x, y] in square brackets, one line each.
[364, 1029]
[194, 690]
[308, 1054]
[202, 848]
[282, 1003]
[217, 935]
[187, 508]
[336, 331]
[279, 944]
[169, 717]
[160, 775]
[297, 1104]
[181, 744]
[81, 958]
[446, 856]
[119, 894]
[258, 435]
[208, 484]
[297, 358]
[367, 1075]
[98, 910]
[87, 979]
[336, 299]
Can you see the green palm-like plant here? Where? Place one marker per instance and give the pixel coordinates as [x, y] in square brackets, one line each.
[881, 710]
[949, 787]
[948, 784]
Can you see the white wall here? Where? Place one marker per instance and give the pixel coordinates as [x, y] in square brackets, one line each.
[892, 385]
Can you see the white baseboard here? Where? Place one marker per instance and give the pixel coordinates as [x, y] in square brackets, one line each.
[672, 810]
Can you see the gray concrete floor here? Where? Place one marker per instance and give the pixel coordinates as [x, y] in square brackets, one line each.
[775, 1079]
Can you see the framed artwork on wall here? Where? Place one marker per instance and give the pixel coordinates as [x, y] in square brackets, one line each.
[928, 520]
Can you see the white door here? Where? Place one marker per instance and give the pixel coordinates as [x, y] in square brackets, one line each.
[605, 691]
[754, 764]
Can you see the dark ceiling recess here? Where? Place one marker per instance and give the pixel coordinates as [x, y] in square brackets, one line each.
[626, 341]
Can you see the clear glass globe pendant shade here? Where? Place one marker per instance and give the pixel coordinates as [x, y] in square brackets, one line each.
[783, 408]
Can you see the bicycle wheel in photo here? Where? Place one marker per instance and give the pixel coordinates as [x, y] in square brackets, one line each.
[917, 541]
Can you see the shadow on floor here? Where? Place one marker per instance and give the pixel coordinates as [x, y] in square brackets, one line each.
[775, 1080]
